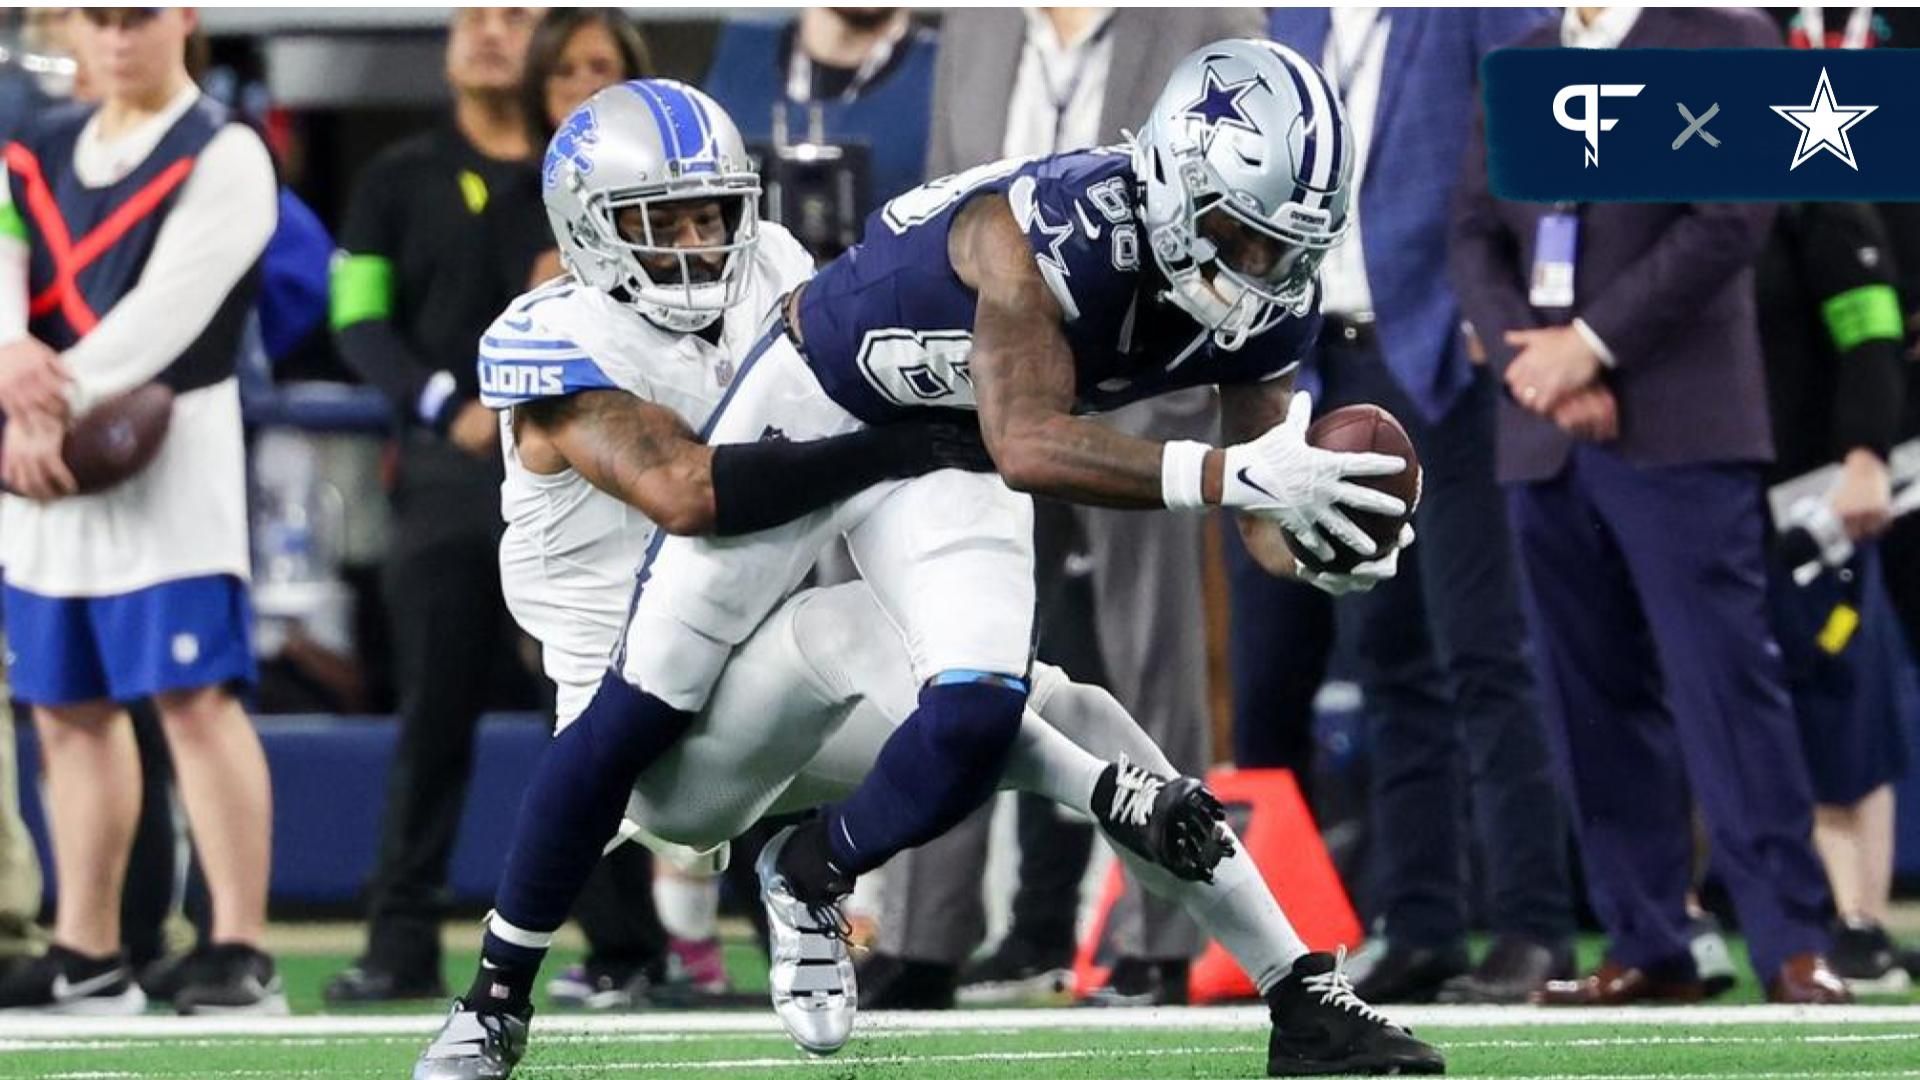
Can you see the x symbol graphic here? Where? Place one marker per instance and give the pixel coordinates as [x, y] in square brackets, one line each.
[1696, 127]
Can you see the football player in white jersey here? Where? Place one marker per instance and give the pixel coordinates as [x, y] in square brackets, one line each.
[601, 378]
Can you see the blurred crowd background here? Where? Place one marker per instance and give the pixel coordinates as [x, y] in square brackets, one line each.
[1615, 687]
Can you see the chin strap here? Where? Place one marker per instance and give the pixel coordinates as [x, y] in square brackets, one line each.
[676, 321]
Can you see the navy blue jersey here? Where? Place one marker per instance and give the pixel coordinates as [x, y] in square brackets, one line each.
[888, 326]
[62, 215]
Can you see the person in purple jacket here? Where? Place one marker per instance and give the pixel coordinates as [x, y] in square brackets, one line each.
[1632, 437]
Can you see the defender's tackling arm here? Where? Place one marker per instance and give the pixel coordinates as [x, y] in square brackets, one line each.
[645, 455]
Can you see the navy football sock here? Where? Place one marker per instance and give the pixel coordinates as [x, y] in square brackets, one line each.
[573, 805]
[938, 767]
[504, 981]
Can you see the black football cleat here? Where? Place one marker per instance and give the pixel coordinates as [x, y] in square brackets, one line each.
[229, 980]
[64, 982]
[1322, 1028]
[364, 983]
[1019, 972]
[1172, 822]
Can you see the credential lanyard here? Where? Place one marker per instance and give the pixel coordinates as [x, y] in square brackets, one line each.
[800, 68]
[1347, 67]
[1062, 99]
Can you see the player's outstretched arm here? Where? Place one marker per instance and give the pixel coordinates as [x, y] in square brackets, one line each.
[1245, 413]
[1023, 377]
[645, 455]
[1023, 374]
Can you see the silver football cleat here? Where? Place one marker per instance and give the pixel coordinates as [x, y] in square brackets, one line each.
[473, 1045]
[814, 993]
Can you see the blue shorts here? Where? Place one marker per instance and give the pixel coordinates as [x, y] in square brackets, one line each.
[177, 635]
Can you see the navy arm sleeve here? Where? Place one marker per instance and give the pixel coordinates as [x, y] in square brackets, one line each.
[760, 485]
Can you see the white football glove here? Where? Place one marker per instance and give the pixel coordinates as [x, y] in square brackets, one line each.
[1362, 577]
[1305, 488]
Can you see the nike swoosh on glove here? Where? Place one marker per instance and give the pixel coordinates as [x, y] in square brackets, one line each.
[1306, 489]
[1363, 577]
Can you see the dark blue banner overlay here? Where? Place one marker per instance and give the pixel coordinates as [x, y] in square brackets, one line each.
[1722, 125]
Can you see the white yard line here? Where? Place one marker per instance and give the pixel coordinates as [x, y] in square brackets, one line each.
[73, 1035]
[1824, 1075]
[847, 1063]
[851, 1063]
[1235, 1018]
[650, 1038]
[1676, 1040]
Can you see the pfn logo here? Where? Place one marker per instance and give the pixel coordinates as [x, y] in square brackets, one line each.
[1589, 122]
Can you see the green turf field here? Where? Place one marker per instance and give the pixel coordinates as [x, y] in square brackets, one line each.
[1730, 1039]
[1649, 1044]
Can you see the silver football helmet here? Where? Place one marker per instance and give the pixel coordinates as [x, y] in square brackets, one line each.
[1246, 160]
[628, 149]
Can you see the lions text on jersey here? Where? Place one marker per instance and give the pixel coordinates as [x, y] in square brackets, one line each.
[568, 558]
[888, 326]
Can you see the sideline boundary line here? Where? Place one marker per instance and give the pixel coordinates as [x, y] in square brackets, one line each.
[1249, 1018]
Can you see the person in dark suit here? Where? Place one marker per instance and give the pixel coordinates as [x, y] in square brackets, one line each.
[1441, 648]
[1633, 439]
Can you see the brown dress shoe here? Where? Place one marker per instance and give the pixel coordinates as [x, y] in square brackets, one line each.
[1807, 980]
[1612, 984]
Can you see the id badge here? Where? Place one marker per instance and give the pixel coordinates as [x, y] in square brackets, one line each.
[1554, 247]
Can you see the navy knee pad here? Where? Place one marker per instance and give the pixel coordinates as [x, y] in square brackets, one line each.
[941, 765]
[972, 725]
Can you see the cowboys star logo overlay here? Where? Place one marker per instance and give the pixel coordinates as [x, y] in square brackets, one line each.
[1823, 125]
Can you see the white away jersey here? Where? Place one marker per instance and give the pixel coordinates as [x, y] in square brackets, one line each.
[570, 551]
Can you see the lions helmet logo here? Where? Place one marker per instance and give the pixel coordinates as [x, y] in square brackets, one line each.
[571, 143]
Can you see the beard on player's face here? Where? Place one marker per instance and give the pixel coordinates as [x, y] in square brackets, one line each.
[698, 225]
[700, 269]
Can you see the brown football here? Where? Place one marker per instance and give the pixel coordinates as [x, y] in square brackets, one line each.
[118, 437]
[1360, 429]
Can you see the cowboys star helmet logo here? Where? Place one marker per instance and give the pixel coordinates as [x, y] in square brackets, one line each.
[1219, 102]
[570, 144]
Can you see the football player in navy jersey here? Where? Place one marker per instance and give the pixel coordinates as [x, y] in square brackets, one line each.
[1032, 291]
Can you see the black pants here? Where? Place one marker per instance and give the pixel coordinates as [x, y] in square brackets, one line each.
[1281, 643]
[1442, 660]
[1900, 551]
[1900, 548]
[1054, 850]
[161, 870]
[455, 655]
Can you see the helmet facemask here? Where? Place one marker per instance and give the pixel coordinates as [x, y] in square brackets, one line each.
[675, 286]
[1266, 272]
[1233, 270]
[1245, 167]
